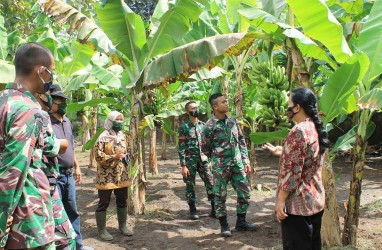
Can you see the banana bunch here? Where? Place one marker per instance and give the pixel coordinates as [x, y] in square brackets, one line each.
[274, 117]
[278, 79]
[260, 72]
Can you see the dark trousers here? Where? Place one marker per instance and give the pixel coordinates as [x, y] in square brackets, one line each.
[302, 232]
[67, 188]
[104, 198]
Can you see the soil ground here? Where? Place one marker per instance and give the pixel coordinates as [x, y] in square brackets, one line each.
[165, 224]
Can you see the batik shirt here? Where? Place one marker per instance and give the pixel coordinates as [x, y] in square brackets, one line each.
[24, 187]
[189, 142]
[300, 171]
[223, 141]
[111, 173]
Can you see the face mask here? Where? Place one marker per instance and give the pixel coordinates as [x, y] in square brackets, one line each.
[61, 108]
[47, 84]
[194, 113]
[117, 126]
[289, 112]
[47, 100]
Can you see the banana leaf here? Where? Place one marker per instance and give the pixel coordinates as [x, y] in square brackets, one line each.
[89, 144]
[319, 23]
[274, 7]
[371, 100]
[370, 42]
[263, 137]
[87, 30]
[7, 72]
[347, 141]
[74, 107]
[3, 40]
[341, 85]
[180, 63]
[271, 25]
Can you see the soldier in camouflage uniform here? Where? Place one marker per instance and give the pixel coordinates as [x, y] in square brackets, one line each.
[24, 187]
[64, 232]
[224, 143]
[192, 160]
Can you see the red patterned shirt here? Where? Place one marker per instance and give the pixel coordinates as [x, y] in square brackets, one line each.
[300, 171]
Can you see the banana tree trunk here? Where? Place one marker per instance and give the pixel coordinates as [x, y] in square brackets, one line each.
[349, 235]
[300, 66]
[175, 126]
[253, 161]
[330, 229]
[85, 125]
[93, 162]
[153, 163]
[164, 145]
[137, 191]
[238, 99]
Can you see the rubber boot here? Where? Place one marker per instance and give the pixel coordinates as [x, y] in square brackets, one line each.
[243, 225]
[122, 216]
[101, 226]
[213, 212]
[193, 212]
[224, 228]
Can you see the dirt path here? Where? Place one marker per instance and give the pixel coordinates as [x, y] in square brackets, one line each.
[166, 226]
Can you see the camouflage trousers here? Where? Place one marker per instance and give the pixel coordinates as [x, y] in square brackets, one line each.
[230, 172]
[206, 176]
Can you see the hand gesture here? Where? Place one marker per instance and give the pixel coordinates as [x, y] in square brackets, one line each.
[185, 172]
[119, 155]
[77, 175]
[9, 223]
[276, 150]
[280, 211]
[247, 169]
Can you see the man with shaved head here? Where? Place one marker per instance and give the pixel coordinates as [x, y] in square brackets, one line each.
[24, 187]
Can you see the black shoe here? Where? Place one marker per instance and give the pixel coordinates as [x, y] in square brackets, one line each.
[193, 212]
[243, 225]
[224, 228]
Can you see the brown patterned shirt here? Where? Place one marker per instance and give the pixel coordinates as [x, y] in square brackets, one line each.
[300, 171]
[111, 173]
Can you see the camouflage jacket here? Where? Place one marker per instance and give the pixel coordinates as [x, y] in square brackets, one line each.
[223, 140]
[189, 142]
[24, 187]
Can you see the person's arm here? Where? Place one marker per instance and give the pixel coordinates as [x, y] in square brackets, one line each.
[182, 151]
[104, 159]
[206, 140]
[22, 133]
[77, 171]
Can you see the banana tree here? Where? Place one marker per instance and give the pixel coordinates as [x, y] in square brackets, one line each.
[135, 51]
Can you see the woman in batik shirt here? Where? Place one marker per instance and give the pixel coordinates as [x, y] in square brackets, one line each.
[300, 192]
[112, 173]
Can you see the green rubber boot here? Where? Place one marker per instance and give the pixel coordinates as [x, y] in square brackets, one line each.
[122, 216]
[101, 226]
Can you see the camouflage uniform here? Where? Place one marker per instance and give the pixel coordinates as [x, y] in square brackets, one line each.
[191, 156]
[64, 232]
[24, 187]
[223, 142]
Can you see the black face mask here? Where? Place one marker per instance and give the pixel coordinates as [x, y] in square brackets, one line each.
[194, 113]
[289, 112]
[61, 108]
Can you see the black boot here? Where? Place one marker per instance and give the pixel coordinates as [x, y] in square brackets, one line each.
[193, 212]
[243, 225]
[224, 228]
[213, 211]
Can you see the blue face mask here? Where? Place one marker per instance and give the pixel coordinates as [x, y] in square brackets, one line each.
[48, 83]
